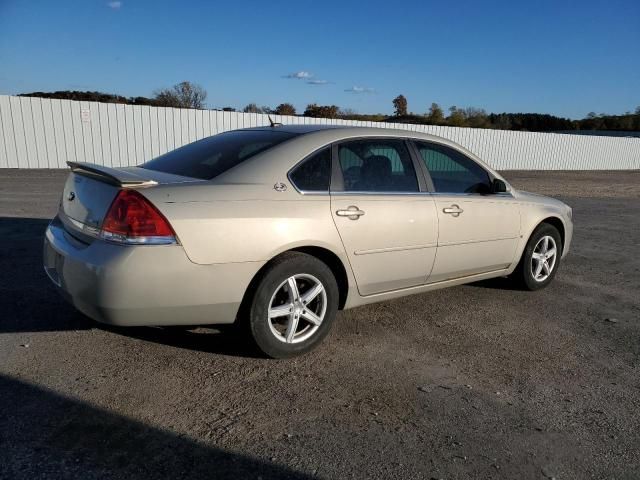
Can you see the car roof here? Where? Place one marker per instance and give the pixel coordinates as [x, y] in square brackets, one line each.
[349, 131]
[343, 132]
[299, 129]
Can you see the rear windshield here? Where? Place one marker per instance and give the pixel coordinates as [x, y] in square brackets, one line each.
[209, 157]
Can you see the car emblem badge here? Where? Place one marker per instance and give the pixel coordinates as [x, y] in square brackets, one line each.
[280, 187]
[71, 196]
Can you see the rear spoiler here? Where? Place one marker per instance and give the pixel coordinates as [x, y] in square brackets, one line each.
[113, 176]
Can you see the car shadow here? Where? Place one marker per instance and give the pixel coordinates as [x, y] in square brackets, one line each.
[499, 283]
[30, 303]
[218, 339]
[46, 435]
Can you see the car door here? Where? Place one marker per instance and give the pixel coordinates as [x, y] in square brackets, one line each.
[386, 219]
[478, 230]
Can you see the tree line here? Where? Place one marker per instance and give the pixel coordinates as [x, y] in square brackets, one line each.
[181, 95]
[191, 95]
[533, 122]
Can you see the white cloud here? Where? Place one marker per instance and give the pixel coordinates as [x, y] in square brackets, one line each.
[301, 75]
[356, 89]
[317, 82]
[114, 5]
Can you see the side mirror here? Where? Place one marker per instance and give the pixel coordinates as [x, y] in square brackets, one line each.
[498, 186]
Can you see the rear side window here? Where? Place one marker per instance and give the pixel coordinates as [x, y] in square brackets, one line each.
[377, 166]
[314, 174]
[209, 157]
[451, 171]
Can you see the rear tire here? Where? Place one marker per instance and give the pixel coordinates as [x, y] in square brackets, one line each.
[541, 258]
[294, 305]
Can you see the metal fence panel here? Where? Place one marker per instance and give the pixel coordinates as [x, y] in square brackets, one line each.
[45, 133]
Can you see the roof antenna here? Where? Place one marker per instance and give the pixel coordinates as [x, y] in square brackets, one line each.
[273, 124]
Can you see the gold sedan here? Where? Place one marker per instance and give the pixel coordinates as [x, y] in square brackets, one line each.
[277, 228]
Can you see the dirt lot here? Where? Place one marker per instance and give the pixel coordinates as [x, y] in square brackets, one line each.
[479, 381]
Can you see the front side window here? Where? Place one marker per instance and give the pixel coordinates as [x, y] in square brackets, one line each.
[451, 171]
[377, 166]
[314, 174]
[209, 157]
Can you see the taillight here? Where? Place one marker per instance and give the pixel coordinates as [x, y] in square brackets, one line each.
[133, 219]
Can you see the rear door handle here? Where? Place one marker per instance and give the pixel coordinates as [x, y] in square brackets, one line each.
[352, 212]
[454, 210]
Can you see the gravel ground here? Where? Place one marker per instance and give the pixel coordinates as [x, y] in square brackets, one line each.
[478, 381]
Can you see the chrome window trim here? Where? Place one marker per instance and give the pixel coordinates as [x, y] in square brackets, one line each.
[434, 194]
[482, 195]
[311, 192]
[369, 193]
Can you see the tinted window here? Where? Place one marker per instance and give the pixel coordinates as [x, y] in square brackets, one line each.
[377, 166]
[209, 157]
[314, 174]
[452, 172]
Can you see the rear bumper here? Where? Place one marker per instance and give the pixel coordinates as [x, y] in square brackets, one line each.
[143, 285]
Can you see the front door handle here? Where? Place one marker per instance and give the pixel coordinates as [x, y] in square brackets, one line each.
[454, 210]
[352, 212]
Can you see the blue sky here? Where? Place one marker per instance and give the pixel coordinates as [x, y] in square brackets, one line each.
[559, 57]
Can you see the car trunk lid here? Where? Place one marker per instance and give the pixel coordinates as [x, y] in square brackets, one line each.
[90, 189]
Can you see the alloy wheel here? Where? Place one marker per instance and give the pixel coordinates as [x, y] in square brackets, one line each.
[543, 258]
[297, 308]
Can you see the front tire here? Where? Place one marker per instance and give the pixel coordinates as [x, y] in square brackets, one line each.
[540, 259]
[294, 305]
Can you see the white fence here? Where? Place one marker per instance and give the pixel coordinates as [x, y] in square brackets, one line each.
[44, 133]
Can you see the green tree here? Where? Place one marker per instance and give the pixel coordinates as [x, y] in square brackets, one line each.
[400, 105]
[285, 109]
[252, 108]
[456, 117]
[435, 115]
[321, 111]
[476, 118]
[182, 95]
[501, 121]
